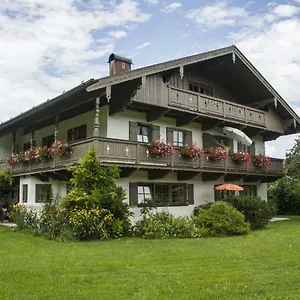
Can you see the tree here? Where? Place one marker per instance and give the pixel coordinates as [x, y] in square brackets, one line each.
[95, 186]
[292, 164]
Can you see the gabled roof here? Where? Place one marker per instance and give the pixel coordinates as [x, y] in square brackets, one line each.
[94, 85]
[190, 60]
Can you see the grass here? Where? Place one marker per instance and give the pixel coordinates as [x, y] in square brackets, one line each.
[262, 265]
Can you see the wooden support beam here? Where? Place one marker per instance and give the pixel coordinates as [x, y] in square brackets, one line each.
[233, 177]
[211, 124]
[41, 176]
[96, 117]
[126, 172]
[211, 176]
[156, 113]
[185, 120]
[261, 103]
[186, 175]
[157, 174]
[252, 178]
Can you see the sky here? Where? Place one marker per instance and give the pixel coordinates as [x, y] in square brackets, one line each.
[48, 47]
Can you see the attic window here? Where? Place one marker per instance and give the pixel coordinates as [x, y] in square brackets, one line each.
[198, 88]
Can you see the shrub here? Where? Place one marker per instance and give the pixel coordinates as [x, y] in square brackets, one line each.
[202, 206]
[95, 187]
[257, 211]
[25, 217]
[162, 225]
[221, 219]
[285, 194]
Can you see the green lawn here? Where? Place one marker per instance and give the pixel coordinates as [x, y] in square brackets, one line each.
[263, 265]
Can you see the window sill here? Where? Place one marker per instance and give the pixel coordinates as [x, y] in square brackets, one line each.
[161, 205]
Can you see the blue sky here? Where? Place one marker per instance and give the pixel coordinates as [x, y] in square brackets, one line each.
[50, 46]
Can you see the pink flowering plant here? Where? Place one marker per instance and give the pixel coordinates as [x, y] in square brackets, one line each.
[241, 157]
[59, 148]
[160, 148]
[218, 153]
[12, 159]
[36, 154]
[191, 151]
[261, 160]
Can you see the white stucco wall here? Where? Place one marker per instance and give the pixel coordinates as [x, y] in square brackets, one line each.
[203, 191]
[59, 189]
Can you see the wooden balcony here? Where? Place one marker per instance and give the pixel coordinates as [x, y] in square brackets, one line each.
[135, 155]
[214, 107]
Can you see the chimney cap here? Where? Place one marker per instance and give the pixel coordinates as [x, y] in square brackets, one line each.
[120, 58]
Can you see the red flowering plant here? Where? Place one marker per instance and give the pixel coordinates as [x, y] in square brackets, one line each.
[241, 157]
[191, 151]
[12, 159]
[60, 148]
[160, 148]
[218, 153]
[42, 153]
[261, 160]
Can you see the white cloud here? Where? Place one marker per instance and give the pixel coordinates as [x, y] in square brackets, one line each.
[144, 45]
[172, 7]
[216, 15]
[285, 10]
[50, 46]
[152, 1]
[117, 34]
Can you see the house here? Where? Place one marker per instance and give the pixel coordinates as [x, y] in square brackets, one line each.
[183, 100]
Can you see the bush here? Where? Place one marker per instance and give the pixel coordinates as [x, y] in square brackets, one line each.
[25, 217]
[221, 219]
[95, 187]
[202, 206]
[285, 193]
[257, 212]
[162, 225]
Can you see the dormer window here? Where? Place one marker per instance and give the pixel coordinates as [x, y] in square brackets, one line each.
[198, 88]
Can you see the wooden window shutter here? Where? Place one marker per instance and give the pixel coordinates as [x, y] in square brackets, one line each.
[229, 143]
[133, 194]
[133, 126]
[155, 133]
[253, 150]
[188, 137]
[70, 135]
[190, 188]
[170, 137]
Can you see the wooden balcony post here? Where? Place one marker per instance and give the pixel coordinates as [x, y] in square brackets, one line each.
[138, 154]
[96, 117]
[56, 124]
[32, 139]
[13, 146]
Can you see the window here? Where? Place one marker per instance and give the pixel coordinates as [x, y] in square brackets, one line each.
[123, 65]
[178, 138]
[48, 140]
[25, 193]
[161, 194]
[143, 133]
[249, 190]
[197, 88]
[242, 147]
[42, 193]
[26, 146]
[219, 195]
[77, 133]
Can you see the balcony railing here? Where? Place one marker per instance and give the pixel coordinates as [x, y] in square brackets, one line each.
[211, 106]
[132, 154]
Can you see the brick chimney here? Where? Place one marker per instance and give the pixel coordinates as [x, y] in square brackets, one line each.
[118, 64]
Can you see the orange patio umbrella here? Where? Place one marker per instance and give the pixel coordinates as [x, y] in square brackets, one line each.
[228, 187]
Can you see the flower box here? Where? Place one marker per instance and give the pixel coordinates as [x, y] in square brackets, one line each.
[241, 157]
[218, 153]
[191, 151]
[261, 160]
[160, 148]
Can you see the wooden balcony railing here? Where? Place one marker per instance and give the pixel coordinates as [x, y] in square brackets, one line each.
[132, 154]
[211, 106]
